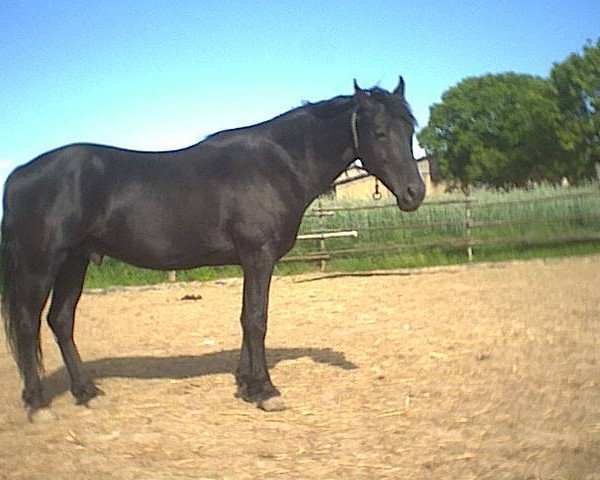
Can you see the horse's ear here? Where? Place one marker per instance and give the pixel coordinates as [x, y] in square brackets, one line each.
[399, 91]
[360, 94]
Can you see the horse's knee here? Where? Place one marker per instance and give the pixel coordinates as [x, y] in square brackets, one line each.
[255, 326]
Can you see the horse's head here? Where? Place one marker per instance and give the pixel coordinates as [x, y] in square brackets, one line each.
[383, 127]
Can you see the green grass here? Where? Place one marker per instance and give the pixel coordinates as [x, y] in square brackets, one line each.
[433, 235]
[112, 273]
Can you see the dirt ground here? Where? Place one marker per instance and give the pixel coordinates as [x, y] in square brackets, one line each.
[491, 371]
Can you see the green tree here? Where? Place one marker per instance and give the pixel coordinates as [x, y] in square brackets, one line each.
[500, 130]
[577, 83]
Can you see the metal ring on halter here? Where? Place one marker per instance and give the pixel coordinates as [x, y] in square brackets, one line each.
[376, 193]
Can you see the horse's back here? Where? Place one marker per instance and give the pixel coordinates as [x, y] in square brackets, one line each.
[159, 210]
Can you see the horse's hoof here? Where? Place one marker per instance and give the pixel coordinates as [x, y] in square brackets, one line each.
[41, 415]
[98, 402]
[84, 394]
[242, 392]
[272, 404]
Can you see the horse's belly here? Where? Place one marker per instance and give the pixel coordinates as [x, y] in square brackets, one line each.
[168, 250]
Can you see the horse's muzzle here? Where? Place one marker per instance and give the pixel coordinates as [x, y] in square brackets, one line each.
[412, 197]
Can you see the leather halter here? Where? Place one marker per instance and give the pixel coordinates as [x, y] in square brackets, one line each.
[354, 128]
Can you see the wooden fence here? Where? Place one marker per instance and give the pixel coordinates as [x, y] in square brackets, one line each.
[476, 226]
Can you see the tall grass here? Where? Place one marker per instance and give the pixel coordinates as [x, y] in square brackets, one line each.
[504, 225]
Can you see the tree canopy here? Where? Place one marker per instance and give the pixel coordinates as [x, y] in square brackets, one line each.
[577, 83]
[507, 129]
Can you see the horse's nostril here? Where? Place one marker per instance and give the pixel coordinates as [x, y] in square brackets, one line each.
[414, 193]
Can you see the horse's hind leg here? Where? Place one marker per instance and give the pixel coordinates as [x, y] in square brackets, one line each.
[61, 318]
[26, 313]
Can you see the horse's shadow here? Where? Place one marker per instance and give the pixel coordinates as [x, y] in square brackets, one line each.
[185, 366]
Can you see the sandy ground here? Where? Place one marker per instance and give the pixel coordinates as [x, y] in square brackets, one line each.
[468, 372]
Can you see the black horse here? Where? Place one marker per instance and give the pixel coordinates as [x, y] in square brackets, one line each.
[235, 198]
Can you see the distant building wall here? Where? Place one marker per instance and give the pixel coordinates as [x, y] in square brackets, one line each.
[364, 188]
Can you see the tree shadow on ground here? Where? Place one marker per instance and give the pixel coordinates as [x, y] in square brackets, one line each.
[185, 366]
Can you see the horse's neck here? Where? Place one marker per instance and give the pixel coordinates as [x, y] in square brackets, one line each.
[323, 149]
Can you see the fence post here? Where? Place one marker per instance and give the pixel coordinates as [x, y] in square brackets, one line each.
[172, 276]
[322, 240]
[469, 223]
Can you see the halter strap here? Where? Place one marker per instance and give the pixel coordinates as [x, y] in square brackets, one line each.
[354, 128]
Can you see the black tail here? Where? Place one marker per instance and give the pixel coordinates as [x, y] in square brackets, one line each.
[7, 270]
[10, 291]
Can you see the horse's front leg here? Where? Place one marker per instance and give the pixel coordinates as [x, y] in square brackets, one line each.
[252, 375]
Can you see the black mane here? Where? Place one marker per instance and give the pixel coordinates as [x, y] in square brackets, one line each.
[396, 105]
[330, 108]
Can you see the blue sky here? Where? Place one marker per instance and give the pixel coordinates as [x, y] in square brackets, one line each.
[163, 74]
